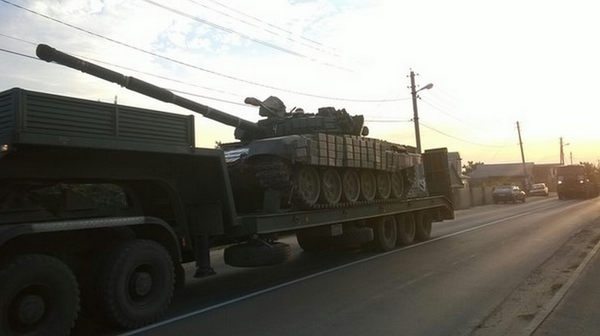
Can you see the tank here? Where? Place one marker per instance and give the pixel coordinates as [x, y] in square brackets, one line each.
[290, 159]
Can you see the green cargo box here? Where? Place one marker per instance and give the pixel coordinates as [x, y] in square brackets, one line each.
[28, 117]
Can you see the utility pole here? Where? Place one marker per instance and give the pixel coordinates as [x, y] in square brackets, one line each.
[562, 153]
[523, 157]
[571, 155]
[413, 92]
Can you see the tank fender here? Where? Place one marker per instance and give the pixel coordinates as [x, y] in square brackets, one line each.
[9, 232]
[284, 147]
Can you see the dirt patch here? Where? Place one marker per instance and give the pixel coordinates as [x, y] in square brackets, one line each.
[526, 301]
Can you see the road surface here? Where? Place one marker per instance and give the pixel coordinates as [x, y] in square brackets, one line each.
[487, 272]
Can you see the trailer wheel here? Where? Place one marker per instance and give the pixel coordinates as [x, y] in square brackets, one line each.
[386, 233]
[406, 228]
[354, 236]
[257, 253]
[39, 295]
[423, 226]
[313, 243]
[136, 283]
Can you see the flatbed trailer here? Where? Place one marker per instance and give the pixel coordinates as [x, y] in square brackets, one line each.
[100, 204]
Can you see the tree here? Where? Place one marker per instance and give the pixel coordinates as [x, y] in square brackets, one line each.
[591, 170]
[470, 167]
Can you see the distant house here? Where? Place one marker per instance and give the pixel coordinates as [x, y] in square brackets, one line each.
[546, 173]
[486, 175]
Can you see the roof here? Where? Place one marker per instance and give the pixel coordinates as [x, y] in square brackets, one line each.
[501, 170]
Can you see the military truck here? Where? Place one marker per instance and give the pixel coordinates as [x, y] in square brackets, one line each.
[574, 181]
[101, 204]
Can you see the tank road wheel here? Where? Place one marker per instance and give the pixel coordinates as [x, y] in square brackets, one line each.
[39, 295]
[423, 226]
[307, 186]
[406, 228]
[386, 233]
[136, 283]
[397, 182]
[384, 185]
[331, 186]
[350, 186]
[368, 185]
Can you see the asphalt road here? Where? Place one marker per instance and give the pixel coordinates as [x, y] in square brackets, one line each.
[448, 285]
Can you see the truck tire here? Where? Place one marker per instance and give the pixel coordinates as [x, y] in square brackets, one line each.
[255, 254]
[422, 226]
[385, 232]
[136, 283]
[39, 295]
[406, 228]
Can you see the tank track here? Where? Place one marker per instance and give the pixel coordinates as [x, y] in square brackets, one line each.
[276, 174]
[273, 174]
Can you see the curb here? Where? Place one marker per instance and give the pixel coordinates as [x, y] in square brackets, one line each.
[551, 305]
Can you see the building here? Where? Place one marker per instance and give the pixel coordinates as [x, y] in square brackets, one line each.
[489, 175]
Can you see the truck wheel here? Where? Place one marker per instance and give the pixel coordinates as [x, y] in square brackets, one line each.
[136, 283]
[406, 228]
[386, 233]
[39, 295]
[258, 253]
[422, 226]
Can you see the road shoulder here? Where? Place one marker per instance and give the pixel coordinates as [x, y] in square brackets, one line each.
[533, 301]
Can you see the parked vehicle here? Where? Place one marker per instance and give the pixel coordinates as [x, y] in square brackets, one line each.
[539, 189]
[508, 193]
[101, 204]
[575, 182]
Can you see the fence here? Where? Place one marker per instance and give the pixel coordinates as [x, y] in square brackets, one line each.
[470, 197]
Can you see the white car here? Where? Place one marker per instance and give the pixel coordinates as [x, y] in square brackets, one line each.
[538, 189]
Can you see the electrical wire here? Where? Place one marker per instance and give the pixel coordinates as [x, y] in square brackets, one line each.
[247, 37]
[200, 68]
[459, 139]
[262, 28]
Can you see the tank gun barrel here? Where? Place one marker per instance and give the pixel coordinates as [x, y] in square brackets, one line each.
[50, 54]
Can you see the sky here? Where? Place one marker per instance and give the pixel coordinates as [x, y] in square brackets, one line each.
[492, 64]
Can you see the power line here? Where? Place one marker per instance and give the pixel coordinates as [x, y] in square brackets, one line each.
[267, 23]
[248, 37]
[459, 139]
[19, 54]
[197, 67]
[262, 28]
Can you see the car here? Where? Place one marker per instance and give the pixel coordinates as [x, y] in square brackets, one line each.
[538, 189]
[508, 193]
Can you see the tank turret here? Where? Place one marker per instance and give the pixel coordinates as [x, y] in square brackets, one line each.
[302, 159]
